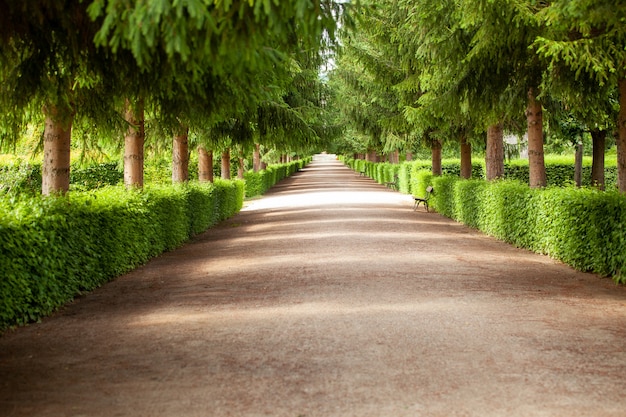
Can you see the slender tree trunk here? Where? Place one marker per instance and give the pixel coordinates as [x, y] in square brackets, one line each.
[621, 138]
[256, 158]
[494, 155]
[240, 169]
[205, 165]
[466, 157]
[134, 145]
[436, 157]
[536, 163]
[598, 138]
[55, 172]
[578, 165]
[180, 156]
[409, 156]
[226, 164]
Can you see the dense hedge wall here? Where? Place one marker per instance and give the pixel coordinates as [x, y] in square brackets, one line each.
[559, 171]
[25, 178]
[257, 183]
[54, 248]
[583, 227]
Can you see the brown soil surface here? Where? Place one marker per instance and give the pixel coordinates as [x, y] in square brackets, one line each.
[329, 296]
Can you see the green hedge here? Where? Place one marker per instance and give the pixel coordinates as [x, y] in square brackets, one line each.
[55, 248]
[257, 183]
[25, 178]
[559, 170]
[582, 227]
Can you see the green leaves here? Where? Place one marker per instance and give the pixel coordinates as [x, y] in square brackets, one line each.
[581, 227]
[54, 248]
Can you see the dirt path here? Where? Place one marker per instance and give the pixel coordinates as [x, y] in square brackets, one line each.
[330, 297]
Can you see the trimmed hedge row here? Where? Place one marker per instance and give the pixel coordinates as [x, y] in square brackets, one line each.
[558, 171]
[383, 172]
[582, 227]
[55, 248]
[257, 183]
[25, 178]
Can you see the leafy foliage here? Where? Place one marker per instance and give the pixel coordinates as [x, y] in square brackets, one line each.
[582, 227]
[257, 183]
[55, 248]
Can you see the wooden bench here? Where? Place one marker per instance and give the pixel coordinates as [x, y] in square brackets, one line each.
[418, 200]
[393, 184]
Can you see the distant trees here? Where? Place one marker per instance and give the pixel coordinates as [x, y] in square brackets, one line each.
[191, 65]
[466, 67]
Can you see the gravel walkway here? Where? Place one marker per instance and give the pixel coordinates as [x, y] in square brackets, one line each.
[329, 296]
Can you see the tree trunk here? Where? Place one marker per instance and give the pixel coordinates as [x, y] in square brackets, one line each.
[621, 138]
[240, 169]
[436, 157]
[226, 164]
[256, 158]
[466, 158]
[598, 138]
[494, 155]
[409, 156]
[205, 165]
[180, 156]
[55, 172]
[578, 165]
[536, 164]
[133, 145]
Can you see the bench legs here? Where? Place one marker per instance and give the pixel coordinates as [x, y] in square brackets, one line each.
[418, 201]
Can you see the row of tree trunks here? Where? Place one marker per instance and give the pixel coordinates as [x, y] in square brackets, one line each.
[56, 152]
[57, 140]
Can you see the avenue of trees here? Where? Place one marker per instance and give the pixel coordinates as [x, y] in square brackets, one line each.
[236, 74]
[233, 76]
[463, 73]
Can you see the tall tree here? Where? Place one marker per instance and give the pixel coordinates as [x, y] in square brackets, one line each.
[585, 44]
[134, 143]
[48, 63]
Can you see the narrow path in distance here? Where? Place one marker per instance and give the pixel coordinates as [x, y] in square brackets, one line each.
[329, 296]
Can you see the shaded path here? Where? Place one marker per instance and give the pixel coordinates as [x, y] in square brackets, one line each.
[329, 297]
